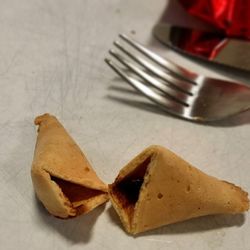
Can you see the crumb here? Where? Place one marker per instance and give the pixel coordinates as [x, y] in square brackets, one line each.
[133, 32]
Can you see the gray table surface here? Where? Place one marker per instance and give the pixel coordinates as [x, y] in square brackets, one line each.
[51, 60]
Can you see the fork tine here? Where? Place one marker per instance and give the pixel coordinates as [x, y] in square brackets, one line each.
[163, 102]
[170, 92]
[170, 66]
[172, 81]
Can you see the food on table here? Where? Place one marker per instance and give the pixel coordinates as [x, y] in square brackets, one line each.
[158, 188]
[63, 179]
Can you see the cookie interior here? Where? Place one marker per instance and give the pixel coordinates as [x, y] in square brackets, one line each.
[77, 195]
[126, 191]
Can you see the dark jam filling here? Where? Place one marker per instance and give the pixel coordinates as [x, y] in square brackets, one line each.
[130, 189]
[127, 190]
[75, 192]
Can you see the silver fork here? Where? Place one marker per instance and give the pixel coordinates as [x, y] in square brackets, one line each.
[177, 90]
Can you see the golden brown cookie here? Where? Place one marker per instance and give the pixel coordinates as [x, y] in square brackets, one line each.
[63, 179]
[158, 188]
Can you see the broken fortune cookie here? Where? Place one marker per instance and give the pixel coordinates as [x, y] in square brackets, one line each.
[158, 188]
[63, 179]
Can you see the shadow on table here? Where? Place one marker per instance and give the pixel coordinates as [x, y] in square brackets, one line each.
[205, 223]
[236, 120]
[77, 229]
[123, 90]
[114, 219]
[143, 105]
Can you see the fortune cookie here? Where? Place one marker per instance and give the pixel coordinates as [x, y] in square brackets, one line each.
[63, 179]
[158, 188]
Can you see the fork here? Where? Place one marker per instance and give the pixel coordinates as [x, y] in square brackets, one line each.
[176, 89]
